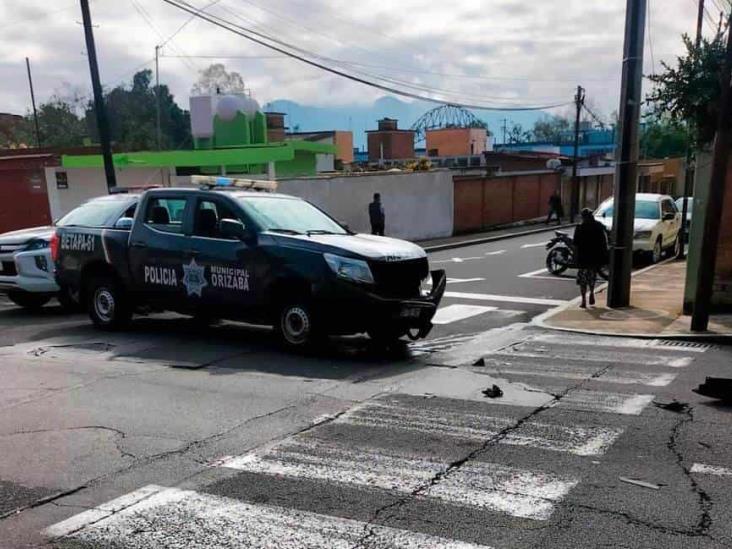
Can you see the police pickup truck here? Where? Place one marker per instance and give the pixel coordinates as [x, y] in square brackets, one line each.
[229, 250]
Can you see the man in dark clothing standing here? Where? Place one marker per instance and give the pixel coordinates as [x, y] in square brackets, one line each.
[590, 243]
[376, 215]
[555, 208]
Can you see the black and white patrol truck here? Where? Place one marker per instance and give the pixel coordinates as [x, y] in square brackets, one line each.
[230, 250]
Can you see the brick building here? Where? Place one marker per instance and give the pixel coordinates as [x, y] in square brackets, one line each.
[389, 142]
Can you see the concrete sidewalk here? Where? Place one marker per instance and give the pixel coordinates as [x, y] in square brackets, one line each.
[656, 310]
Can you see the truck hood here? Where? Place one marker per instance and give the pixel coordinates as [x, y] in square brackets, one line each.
[378, 248]
[25, 235]
[638, 224]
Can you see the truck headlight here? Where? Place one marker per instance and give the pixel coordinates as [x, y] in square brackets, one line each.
[642, 235]
[36, 244]
[354, 270]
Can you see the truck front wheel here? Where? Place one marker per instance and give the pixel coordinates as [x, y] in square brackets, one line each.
[108, 305]
[296, 326]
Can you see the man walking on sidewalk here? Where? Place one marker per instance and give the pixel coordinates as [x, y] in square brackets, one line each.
[555, 208]
[377, 216]
[590, 243]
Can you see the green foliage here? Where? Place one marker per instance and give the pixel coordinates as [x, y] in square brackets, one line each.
[663, 138]
[551, 129]
[689, 92]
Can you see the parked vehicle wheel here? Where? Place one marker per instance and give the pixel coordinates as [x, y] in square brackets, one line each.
[28, 300]
[108, 305]
[296, 326]
[657, 253]
[557, 260]
[677, 247]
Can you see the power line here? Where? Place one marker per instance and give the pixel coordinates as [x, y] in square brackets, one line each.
[187, 21]
[264, 40]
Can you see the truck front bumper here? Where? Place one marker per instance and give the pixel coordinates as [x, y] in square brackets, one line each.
[355, 309]
[28, 272]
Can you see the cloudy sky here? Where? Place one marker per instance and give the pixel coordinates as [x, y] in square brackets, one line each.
[488, 52]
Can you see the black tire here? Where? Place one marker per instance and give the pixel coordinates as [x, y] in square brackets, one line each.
[657, 254]
[296, 327]
[108, 304]
[557, 261]
[676, 249]
[28, 300]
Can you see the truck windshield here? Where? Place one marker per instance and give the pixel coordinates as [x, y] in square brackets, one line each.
[644, 209]
[96, 213]
[289, 215]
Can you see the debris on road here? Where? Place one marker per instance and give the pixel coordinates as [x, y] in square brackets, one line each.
[640, 483]
[673, 406]
[716, 387]
[493, 392]
[479, 362]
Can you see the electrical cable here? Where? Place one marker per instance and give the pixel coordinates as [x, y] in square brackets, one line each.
[185, 24]
[264, 40]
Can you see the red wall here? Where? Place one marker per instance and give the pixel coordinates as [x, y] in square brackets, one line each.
[398, 145]
[482, 202]
[23, 193]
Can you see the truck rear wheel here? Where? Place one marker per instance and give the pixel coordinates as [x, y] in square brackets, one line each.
[108, 305]
[28, 300]
[296, 327]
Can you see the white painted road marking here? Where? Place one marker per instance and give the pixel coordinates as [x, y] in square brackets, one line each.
[441, 343]
[463, 280]
[543, 274]
[612, 403]
[598, 355]
[453, 313]
[517, 492]
[577, 440]
[172, 517]
[622, 342]
[457, 259]
[511, 366]
[711, 470]
[497, 252]
[506, 298]
[533, 245]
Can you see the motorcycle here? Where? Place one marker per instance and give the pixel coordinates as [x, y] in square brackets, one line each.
[561, 256]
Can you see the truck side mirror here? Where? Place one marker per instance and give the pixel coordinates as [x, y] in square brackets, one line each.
[234, 229]
[669, 216]
[124, 224]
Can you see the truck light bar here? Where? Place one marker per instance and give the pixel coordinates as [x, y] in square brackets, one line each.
[219, 182]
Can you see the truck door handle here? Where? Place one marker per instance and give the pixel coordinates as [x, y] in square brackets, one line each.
[138, 245]
[194, 253]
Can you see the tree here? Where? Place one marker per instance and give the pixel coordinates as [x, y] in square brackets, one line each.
[517, 134]
[215, 79]
[59, 125]
[689, 92]
[551, 129]
[663, 138]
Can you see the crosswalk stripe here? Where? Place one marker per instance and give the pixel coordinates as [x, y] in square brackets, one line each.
[711, 470]
[599, 401]
[573, 371]
[622, 342]
[577, 440]
[517, 492]
[505, 298]
[589, 355]
[454, 313]
[172, 517]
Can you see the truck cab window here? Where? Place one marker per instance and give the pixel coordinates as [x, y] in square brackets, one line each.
[166, 214]
[207, 217]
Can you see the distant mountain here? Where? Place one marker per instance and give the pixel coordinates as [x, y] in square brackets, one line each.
[359, 118]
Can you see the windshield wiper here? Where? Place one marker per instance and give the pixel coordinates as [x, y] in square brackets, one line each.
[321, 231]
[284, 231]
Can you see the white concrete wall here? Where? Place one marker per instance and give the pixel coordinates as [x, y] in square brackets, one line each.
[418, 205]
[86, 183]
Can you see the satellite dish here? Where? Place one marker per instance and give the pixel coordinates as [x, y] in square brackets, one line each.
[554, 164]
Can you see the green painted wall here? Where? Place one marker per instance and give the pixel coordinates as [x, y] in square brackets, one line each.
[304, 163]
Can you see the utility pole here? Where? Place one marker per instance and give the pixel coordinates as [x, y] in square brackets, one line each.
[33, 101]
[579, 101]
[102, 122]
[713, 218]
[684, 233]
[157, 95]
[626, 172]
[505, 130]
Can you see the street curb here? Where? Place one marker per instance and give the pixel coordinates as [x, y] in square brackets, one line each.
[484, 240]
[540, 321]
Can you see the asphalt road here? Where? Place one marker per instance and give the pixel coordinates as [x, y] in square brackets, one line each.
[170, 435]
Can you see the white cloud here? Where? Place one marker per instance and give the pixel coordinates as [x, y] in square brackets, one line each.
[514, 50]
